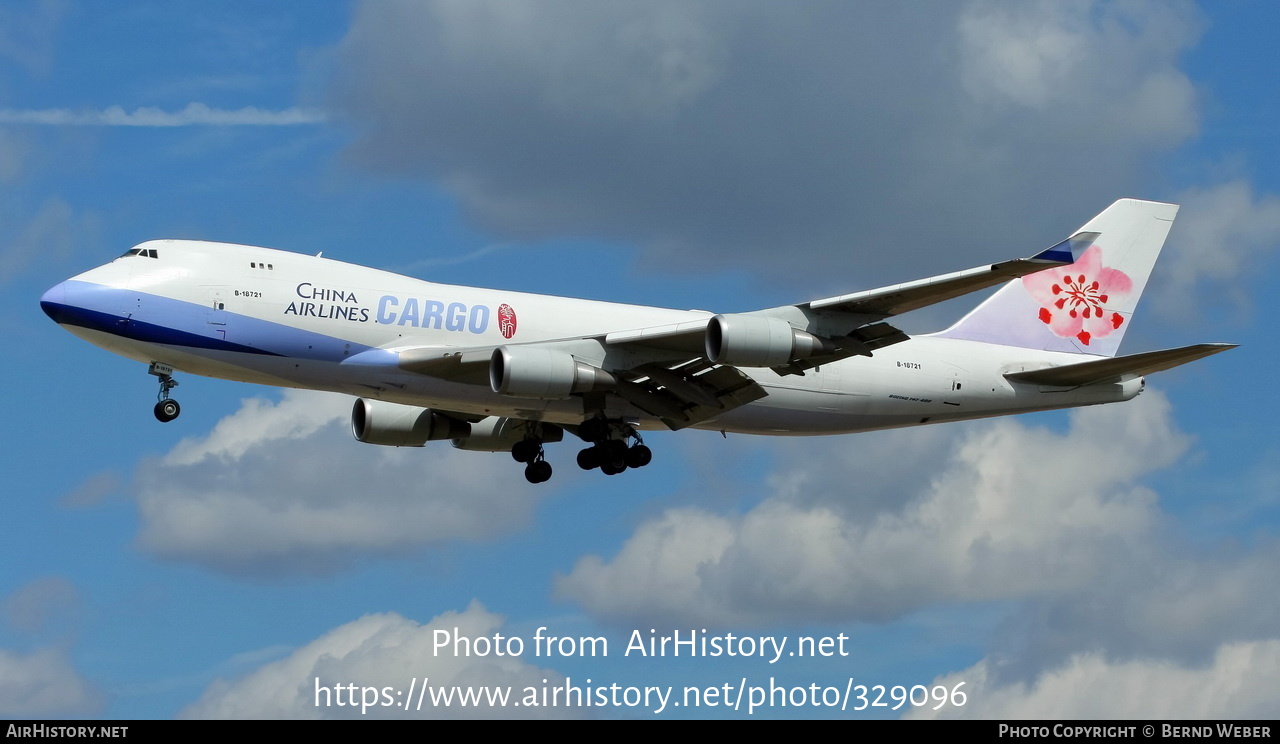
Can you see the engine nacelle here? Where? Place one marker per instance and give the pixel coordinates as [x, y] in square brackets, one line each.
[396, 425]
[499, 433]
[546, 374]
[760, 341]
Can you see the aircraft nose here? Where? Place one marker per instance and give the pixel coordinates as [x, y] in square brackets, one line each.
[54, 300]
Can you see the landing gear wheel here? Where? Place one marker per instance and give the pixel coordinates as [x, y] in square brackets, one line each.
[526, 450]
[588, 459]
[614, 452]
[593, 430]
[529, 451]
[609, 450]
[639, 456]
[167, 410]
[538, 472]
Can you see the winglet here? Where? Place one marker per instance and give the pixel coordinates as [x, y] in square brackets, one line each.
[1068, 251]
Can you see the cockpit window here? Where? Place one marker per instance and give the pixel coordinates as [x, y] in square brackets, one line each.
[144, 252]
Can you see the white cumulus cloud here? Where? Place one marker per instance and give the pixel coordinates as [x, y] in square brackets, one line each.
[194, 114]
[283, 487]
[383, 651]
[1017, 511]
[812, 141]
[1224, 234]
[51, 231]
[44, 683]
[1093, 71]
[1240, 682]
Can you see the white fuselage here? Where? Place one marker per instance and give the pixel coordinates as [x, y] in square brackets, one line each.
[285, 319]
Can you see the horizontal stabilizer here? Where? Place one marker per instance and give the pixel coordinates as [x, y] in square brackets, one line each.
[1116, 369]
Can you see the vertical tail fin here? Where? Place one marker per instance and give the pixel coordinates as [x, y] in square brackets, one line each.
[1084, 307]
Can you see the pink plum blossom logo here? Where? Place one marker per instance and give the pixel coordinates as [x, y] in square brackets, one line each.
[1073, 298]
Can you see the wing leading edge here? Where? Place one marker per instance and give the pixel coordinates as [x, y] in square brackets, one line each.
[901, 298]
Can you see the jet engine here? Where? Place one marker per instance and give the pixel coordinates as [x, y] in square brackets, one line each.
[546, 374]
[499, 434]
[760, 341]
[396, 425]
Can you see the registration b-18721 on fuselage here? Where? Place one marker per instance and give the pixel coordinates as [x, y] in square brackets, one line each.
[509, 372]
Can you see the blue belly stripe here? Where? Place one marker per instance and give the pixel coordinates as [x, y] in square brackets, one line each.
[139, 330]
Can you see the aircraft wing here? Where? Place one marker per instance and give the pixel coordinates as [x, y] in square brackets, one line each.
[670, 371]
[849, 321]
[451, 363]
[901, 298]
[667, 380]
[687, 393]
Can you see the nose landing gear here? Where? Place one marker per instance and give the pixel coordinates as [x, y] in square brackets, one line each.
[167, 409]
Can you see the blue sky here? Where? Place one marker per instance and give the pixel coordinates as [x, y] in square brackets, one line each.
[1111, 562]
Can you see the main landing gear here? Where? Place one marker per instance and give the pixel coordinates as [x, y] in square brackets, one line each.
[609, 450]
[529, 451]
[167, 409]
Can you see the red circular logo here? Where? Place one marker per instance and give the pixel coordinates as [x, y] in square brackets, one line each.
[506, 320]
